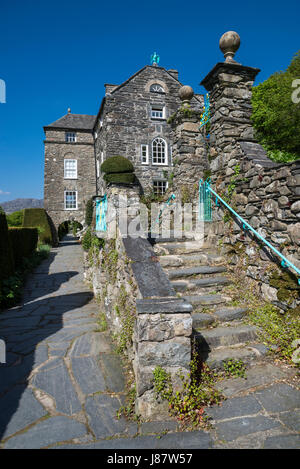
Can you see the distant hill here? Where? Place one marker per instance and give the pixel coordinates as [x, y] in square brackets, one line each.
[18, 204]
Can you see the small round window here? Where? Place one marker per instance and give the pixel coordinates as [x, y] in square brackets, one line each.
[156, 88]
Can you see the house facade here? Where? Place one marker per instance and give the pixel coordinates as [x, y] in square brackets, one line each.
[132, 122]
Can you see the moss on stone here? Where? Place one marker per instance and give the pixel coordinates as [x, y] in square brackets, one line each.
[286, 285]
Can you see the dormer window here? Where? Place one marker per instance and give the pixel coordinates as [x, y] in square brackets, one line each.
[70, 137]
[156, 88]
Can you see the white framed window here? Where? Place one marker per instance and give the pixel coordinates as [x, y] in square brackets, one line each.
[98, 168]
[70, 169]
[157, 112]
[160, 187]
[144, 154]
[70, 137]
[159, 151]
[156, 88]
[70, 200]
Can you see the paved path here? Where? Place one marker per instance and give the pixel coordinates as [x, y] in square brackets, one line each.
[62, 382]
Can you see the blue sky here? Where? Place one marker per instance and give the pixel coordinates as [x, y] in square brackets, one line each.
[59, 54]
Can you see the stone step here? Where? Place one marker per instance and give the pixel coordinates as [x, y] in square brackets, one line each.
[197, 270]
[209, 339]
[202, 320]
[216, 358]
[183, 247]
[205, 285]
[173, 260]
[205, 300]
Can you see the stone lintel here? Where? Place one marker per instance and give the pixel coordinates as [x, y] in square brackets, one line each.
[228, 68]
[163, 305]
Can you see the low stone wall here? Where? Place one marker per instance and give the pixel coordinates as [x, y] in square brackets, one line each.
[150, 324]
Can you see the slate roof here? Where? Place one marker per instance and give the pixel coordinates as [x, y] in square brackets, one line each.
[73, 122]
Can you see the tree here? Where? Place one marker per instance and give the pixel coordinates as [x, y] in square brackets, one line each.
[275, 117]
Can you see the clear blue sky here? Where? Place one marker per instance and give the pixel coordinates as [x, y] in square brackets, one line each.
[59, 54]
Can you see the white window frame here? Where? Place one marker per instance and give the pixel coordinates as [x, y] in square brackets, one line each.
[157, 108]
[162, 182]
[165, 162]
[66, 169]
[71, 137]
[65, 200]
[144, 148]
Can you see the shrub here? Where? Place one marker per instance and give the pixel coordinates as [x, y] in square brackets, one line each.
[63, 229]
[87, 240]
[23, 242]
[15, 218]
[37, 217]
[117, 164]
[6, 253]
[75, 227]
[89, 207]
[120, 178]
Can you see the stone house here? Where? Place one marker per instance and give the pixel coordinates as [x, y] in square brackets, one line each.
[132, 122]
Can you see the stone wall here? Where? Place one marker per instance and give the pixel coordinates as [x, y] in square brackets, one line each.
[264, 193]
[150, 324]
[56, 150]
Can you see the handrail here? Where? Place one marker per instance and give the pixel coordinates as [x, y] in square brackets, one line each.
[285, 262]
[166, 204]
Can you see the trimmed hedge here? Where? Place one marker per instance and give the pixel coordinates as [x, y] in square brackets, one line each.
[117, 164]
[123, 178]
[37, 218]
[89, 208]
[23, 241]
[15, 218]
[7, 266]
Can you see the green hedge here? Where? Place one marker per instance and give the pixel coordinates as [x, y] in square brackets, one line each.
[6, 253]
[15, 218]
[123, 178]
[89, 208]
[23, 241]
[117, 164]
[37, 218]
[63, 229]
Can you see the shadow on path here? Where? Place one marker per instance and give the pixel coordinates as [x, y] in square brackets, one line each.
[26, 331]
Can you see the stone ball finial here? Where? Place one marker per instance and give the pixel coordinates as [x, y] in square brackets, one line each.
[229, 44]
[186, 93]
[69, 110]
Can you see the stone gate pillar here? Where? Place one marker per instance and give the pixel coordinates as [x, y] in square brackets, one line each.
[229, 84]
[189, 149]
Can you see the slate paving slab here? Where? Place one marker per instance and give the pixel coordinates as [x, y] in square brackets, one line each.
[279, 397]
[88, 375]
[50, 431]
[55, 380]
[20, 408]
[232, 429]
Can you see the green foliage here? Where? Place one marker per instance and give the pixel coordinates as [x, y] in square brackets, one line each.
[37, 217]
[102, 323]
[75, 227]
[276, 330]
[120, 178]
[23, 241]
[275, 117]
[234, 368]
[15, 218]
[197, 391]
[89, 208]
[87, 239]
[63, 229]
[6, 252]
[11, 287]
[117, 164]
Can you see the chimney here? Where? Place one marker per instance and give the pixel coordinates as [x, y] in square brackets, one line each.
[109, 88]
[174, 73]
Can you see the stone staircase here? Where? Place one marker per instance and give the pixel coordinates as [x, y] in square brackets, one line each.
[200, 275]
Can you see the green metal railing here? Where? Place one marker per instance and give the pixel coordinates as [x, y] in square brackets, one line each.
[205, 187]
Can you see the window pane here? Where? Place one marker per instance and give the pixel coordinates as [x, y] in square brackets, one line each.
[159, 187]
[158, 151]
[70, 200]
[70, 169]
